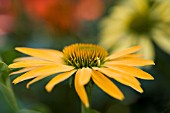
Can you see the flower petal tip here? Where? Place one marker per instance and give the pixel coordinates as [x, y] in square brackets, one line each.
[17, 48]
[151, 78]
[20, 48]
[151, 62]
[141, 90]
[14, 82]
[13, 65]
[87, 105]
[48, 89]
[27, 86]
[10, 66]
[121, 98]
[11, 74]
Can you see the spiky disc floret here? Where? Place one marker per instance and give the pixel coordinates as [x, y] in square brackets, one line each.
[84, 55]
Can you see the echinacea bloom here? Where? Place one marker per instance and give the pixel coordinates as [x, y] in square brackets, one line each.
[85, 62]
[65, 15]
[137, 22]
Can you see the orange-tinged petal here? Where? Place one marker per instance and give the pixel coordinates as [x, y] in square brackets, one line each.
[30, 63]
[22, 70]
[107, 85]
[123, 52]
[133, 71]
[45, 70]
[46, 54]
[36, 79]
[59, 78]
[131, 62]
[84, 75]
[81, 91]
[122, 78]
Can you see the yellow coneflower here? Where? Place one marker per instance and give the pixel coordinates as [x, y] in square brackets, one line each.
[86, 62]
[137, 22]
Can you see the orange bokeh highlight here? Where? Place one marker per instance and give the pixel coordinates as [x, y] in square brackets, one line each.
[6, 16]
[65, 15]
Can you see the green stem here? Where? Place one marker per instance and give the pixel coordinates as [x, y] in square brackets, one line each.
[84, 109]
[89, 92]
[5, 87]
[7, 91]
[13, 99]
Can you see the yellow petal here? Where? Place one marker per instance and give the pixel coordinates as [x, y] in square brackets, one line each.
[22, 70]
[123, 52]
[81, 92]
[36, 79]
[84, 75]
[122, 78]
[30, 63]
[133, 71]
[133, 55]
[107, 85]
[45, 70]
[58, 78]
[47, 54]
[131, 62]
[25, 58]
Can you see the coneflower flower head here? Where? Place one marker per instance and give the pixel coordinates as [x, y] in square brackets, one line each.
[85, 62]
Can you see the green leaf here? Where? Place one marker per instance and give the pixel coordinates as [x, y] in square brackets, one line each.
[5, 87]
[9, 96]
[28, 111]
[4, 72]
[3, 66]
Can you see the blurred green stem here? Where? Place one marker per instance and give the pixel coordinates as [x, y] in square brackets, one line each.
[14, 101]
[6, 88]
[84, 109]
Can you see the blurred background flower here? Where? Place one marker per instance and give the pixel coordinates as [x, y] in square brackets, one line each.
[65, 15]
[137, 22]
[7, 18]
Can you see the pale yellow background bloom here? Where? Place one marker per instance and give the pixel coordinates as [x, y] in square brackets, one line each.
[137, 22]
